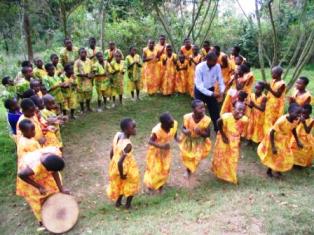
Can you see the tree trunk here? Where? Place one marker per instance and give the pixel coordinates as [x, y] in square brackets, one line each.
[102, 26]
[275, 60]
[28, 32]
[64, 19]
[259, 39]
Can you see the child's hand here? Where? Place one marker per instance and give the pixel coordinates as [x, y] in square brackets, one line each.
[251, 104]
[267, 86]
[42, 140]
[186, 132]
[123, 177]
[165, 146]
[225, 139]
[198, 131]
[300, 145]
[65, 190]
[274, 150]
[42, 190]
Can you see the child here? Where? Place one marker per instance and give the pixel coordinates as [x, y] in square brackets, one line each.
[117, 72]
[301, 96]
[83, 73]
[186, 49]
[10, 89]
[20, 77]
[226, 69]
[304, 156]
[205, 49]
[124, 176]
[36, 87]
[133, 66]
[58, 66]
[248, 79]
[274, 151]
[101, 70]
[50, 117]
[69, 53]
[53, 83]
[256, 113]
[13, 108]
[27, 143]
[23, 84]
[150, 75]
[39, 72]
[109, 54]
[194, 60]
[275, 98]
[92, 50]
[235, 52]
[39, 179]
[169, 61]
[69, 91]
[158, 158]
[182, 75]
[195, 143]
[227, 146]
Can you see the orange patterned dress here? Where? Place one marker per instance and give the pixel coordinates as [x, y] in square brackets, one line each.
[150, 72]
[283, 160]
[304, 156]
[122, 187]
[26, 145]
[255, 129]
[302, 99]
[38, 127]
[194, 148]
[275, 106]
[226, 156]
[169, 76]
[182, 77]
[191, 77]
[158, 160]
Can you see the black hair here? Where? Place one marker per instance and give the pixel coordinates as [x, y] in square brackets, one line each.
[98, 53]
[217, 48]
[186, 39]
[37, 100]
[237, 49]
[243, 95]
[196, 102]
[305, 80]
[131, 47]
[28, 93]
[67, 39]
[68, 66]
[49, 66]
[31, 84]
[53, 163]
[162, 36]
[92, 38]
[27, 104]
[293, 107]
[245, 68]
[53, 56]
[124, 123]
[8, 103]
[5, 80]
[211, 56]
[81, 49]
[25, 125]
[308, 108]
[26, 63]
[262, 84]
[278, 69]
[206, 42]
[165, 118]
[25, 68]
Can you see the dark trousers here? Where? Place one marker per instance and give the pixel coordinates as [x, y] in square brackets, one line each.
[212, 105]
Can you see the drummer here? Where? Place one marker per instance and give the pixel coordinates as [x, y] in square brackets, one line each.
[40, 178]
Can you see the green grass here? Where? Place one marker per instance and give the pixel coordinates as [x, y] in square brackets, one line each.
[257, 205]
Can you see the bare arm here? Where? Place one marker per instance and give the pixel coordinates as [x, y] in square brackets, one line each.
[220, 129]
[152, 141]
[125, 152]
[278, 93]
[25, 174]
[272, 141]
[295, 135]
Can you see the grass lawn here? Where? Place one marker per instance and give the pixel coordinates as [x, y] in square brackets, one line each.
[258, 205]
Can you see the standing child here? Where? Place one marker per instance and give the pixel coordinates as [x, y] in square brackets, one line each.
[58, 66]
[169, 61]
[39, 71]
[304, 156]
[36, 87]
[195, 143]
[23, 83]
[69, 90]
[256, 114]
[101, 70]
[133, 66]
[117, 72]
[275, 98]
[274, 151]
[194, 60]
[301, 96]
[14, 113]
[124, 176]
[227, 147]
[111, 51]
[10, 89]
[69, 53]
[158, 158]
[53, 83]
[205, 49]
[186, 49]
[182, 74]
[83, 73]
[92, 50]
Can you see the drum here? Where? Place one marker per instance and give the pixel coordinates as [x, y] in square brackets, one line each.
[59, 213]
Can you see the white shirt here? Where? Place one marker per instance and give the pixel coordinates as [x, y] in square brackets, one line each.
[206, 78]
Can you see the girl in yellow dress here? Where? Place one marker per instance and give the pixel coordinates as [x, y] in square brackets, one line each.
[124, 177]
[301, 96]
[169, 61]
[205, 49]
[186, 49]
[274, 151]
[304, 156]
[182, 75]
[227, 147]
[158, 158]
[133, 65]
[256, 114]
[39, 174]
[58, 66]
[195, 142]
[150, 75]
[117, 70]
[39, 71]
[275, 98]
[194, 60]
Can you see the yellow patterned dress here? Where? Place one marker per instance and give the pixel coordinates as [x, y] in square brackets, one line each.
[158, 160]
[42, 177]
[169, 75]
[39, 73]
[194, 148]
[302, 99]
[150, 75]
[133, 75]
[69, 93]
[59, 69]
[69, 57]
[191, 71]
[182, 77]
[92, 53]
[117, 75]
[122, 187]
[283, 160]
[226, 156]
[38, 127]
[102, 81]
[275, 106]
[26, 145]
[52, 84]
[84, 84]
[255, 129]
[304, 156]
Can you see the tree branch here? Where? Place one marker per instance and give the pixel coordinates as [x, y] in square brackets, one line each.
[203, 20]
[196, 17]
[275, 39]
[210, 21]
